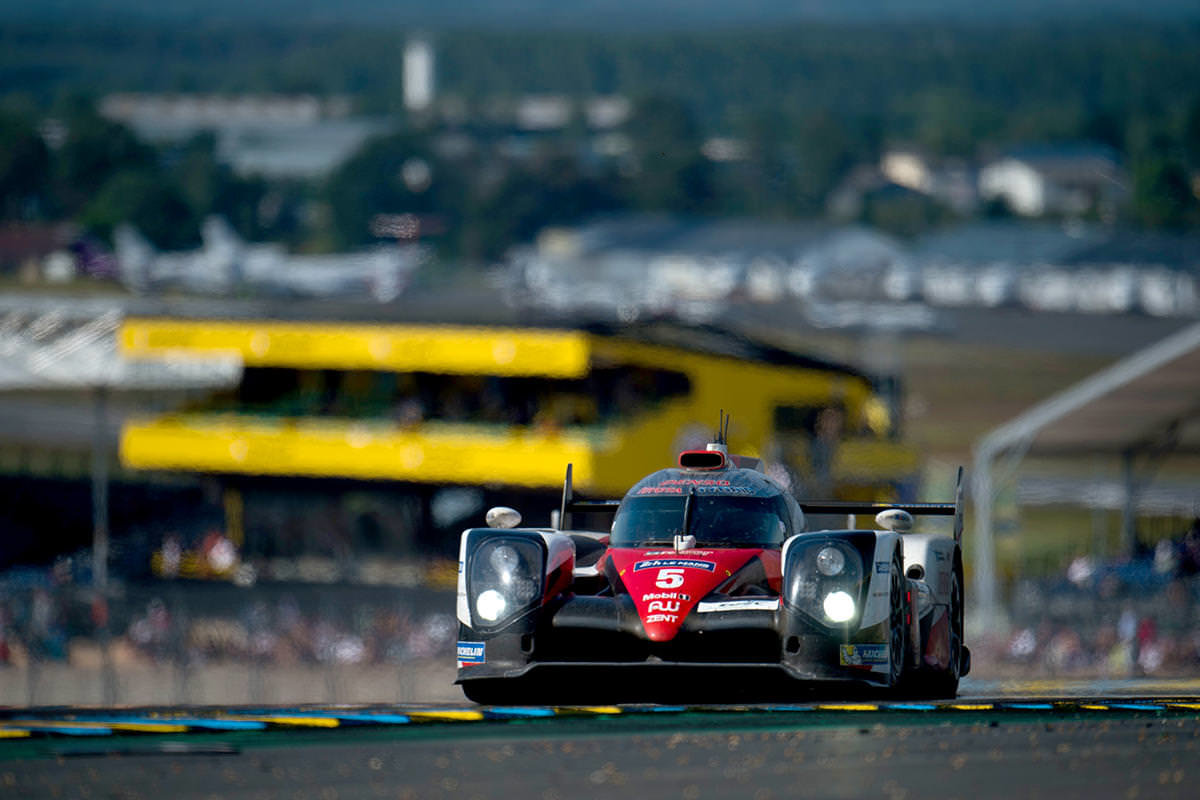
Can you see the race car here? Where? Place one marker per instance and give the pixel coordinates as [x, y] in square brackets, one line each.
[709, 586]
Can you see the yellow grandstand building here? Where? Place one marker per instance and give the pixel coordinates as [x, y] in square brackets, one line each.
[505, 409]
[501, 406]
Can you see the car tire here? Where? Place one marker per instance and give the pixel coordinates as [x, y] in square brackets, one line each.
[929, 684]
[898, 623]
[946, 683]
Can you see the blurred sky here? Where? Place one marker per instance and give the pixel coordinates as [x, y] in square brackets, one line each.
[598, 13]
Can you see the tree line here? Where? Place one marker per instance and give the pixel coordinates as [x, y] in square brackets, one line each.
[808, 103]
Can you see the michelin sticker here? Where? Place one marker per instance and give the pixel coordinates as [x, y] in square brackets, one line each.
[862, 655]
[471, 653]
[883, 567]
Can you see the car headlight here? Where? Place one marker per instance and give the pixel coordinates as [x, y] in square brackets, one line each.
[824, 580]
[490, 605]
[830, 561]
[505, 561]
[504, 579]
[838, 606]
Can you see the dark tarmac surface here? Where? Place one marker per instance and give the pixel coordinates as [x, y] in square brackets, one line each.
[1124, 758]
[993, 742]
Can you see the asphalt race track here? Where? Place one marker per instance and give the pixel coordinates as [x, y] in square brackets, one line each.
[1116, 739]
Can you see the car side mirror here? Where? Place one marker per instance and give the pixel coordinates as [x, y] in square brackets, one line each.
[503, 517]
[896, 520]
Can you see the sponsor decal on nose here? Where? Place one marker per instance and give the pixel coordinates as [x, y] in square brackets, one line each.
[471, 653]
[678, 563]
[862, 655]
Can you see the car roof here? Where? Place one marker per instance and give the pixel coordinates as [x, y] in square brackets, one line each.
[728, 482]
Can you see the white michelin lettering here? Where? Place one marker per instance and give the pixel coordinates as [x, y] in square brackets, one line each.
[471, 653]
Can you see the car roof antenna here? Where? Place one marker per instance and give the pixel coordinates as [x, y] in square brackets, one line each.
[720, 441]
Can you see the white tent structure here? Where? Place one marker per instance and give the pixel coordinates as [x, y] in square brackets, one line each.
[1140, 409]
[72, 346]
[56, 350]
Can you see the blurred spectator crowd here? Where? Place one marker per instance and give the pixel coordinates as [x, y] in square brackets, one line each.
[411, 399]
[193, 625]
[1136, 617]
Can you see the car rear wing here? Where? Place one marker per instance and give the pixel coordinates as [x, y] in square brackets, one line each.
[570, 504]
[954, 509]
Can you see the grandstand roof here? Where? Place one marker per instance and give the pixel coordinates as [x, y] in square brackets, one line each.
[1147, 403]
[555, 351]
[719, 341]
[1148, 399]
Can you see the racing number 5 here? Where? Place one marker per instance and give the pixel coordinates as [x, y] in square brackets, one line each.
[669, 579]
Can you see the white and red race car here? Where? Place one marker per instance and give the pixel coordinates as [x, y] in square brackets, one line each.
[709, 586]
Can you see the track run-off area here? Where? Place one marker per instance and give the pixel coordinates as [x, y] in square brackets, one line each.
[1022, 739]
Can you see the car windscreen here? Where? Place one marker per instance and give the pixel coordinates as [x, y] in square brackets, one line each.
[715, 520]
